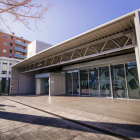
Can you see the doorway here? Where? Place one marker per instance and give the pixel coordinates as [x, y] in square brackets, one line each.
[45, 86]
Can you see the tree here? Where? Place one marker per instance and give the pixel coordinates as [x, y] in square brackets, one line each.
[22, 11]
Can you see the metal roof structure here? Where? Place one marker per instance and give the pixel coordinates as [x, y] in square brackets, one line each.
[116, 35]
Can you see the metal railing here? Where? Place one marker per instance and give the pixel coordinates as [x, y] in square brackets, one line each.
[20, 43]
[19, 56]
[20, 50]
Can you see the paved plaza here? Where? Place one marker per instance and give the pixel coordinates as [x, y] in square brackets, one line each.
[20, 119]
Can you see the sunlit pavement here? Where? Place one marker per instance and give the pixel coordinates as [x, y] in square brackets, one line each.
[23, 122]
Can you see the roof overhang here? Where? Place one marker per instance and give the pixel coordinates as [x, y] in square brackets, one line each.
[122, 26]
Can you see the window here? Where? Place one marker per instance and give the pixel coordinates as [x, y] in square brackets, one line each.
[5, 36]
[10, 44]
[10, 51]
[23, 53]
[4, 50]
[18, 47]
[24, 41]
[5, 43]
[4, 67]
[19, 40]
[11, 38]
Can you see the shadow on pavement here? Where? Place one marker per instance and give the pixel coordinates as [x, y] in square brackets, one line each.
[56, 122]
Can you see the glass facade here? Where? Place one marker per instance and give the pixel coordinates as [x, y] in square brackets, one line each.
[117, 81]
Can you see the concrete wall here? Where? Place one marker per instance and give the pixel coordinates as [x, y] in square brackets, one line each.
[57, 84]
[38, 86]
[27, 84]
[14, 84]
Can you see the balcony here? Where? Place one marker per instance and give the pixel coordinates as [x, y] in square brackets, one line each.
[10, 54]
[19, 56]
[11, 41]
[10, 47]
[20, 50]
[20, 43]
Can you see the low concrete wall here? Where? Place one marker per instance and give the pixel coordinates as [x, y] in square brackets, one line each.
[57, 84]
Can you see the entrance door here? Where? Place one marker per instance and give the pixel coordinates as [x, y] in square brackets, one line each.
[94, 82]
[84, 82]
[75, 80]
[68, 82]
[45, 86]
[72, 82]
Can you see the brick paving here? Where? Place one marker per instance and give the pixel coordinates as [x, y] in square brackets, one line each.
[19, 122]
[117, 126]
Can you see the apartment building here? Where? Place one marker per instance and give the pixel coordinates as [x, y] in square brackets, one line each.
[12, 46]
[13, 49]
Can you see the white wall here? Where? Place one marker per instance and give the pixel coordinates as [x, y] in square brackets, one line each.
[35, 47]
[57, 84]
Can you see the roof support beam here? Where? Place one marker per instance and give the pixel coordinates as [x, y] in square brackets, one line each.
[79, 53]
[94, 43]
[72, 55]
[86, 51]
[66, 56]
[103, 46]
[126, 41]
[115, 43]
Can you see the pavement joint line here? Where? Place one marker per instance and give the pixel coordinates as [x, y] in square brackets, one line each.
[74, 121]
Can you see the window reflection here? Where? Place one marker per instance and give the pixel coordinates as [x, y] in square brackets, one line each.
[118, 81]
[94, 82]
[132, 80]
[105, 89]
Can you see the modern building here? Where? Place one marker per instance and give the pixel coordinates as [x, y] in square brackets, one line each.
[102, 62]
[12, 46]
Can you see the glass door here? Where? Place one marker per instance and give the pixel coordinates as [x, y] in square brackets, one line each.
[84, 82]
[94, 82]
[104, 76]
[68, 82]
[45, 86]
[75, 80]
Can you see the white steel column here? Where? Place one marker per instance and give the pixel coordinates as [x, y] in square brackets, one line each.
[137, 49]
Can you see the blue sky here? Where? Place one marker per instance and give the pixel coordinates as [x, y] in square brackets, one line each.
[68, 18]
